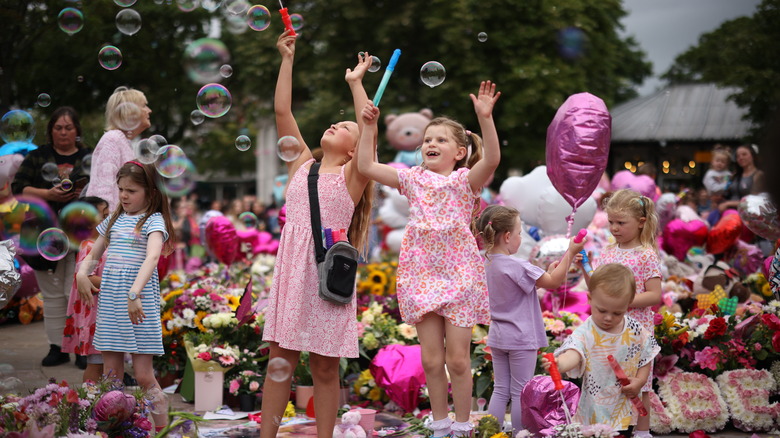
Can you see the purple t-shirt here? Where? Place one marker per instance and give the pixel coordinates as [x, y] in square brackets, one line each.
[514, 307]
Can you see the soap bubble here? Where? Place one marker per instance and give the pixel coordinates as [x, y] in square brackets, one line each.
[279, 369]
[128, 21]
[78, 220]
[203, 58]
[181, 185]
[17, 125]
[214, 100]
[288, 148]
[146, 150]
[127, 116]
[432, 74]
[44, 100]
[110, 58]
[236, 7]
[171, 161]
[66, 184]
[53, 244]
[296, 20]
[236, 24]
[70, 20]
[258, 18]
[571, 42]
[197, 117]
[243, 143]
[211, 5]
[49, 171]
[482, 37]
[39, 217]
[158, 401]
[376, 64]
[187, 5]
[249, 219]
[86, 164]
[125, 3]
[226, 71]
[159, 140]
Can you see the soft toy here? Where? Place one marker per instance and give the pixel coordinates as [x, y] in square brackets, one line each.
[9, 164]
[405, 133]
[349, 427]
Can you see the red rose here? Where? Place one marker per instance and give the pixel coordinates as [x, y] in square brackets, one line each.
[771, 321]
[776, 341]
[717, 327]
[73, 396]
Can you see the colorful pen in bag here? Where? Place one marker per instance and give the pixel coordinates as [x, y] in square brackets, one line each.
[328, 238]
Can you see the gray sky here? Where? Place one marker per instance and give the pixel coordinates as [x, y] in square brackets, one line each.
[666, 28]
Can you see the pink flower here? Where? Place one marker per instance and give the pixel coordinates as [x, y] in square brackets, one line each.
[254, 386]
[664, 365]
[227, 361]
[658, 318]
[708, 358]
[143, 423]
[757, 346]
[234, 385]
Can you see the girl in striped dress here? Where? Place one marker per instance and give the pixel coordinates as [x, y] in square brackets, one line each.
[134, 237]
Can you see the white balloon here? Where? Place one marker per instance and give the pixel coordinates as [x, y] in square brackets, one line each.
[394, 210]
[553, 210]
[394, 239]
[522, 193]
[527, 244]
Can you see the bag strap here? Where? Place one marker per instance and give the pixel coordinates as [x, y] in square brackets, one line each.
[314, 208]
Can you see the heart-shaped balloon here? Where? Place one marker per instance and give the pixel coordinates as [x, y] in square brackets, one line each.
[725, 233]
[642, 184]
[578, 147]
[680, 236]
[256, 242]
[222, 239]
[759, 214]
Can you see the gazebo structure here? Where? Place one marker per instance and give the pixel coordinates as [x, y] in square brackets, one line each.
[675, 130]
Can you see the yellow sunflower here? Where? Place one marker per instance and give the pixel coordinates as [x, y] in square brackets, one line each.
[172, 294]
[378, 289]
[198, 318]
[378, 277]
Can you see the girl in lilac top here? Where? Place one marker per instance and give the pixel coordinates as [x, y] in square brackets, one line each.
[517, 330]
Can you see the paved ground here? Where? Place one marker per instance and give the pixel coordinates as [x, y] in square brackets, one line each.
[23, 347]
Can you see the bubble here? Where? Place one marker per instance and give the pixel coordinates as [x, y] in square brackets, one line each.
[341, 112]
[243, 143]
[78, 221]
[56, 181]
[226, 71]
[214, 100]
[158, 401]
[49, 171]
[432, 74]
[26, 227]
[128, 21]
[127, 116]
[17, 125]
[44, 100]
[236, 24]
[181, 185]
[70, 20]
[288, 148]
[482, 37]
[249, 219]
[258, 18]
[159, 140]
[203, 58]
[211, 5]
[80, 78]
[236, 7]
[86, 164]
[66, 184]
[110, 58]
[279, 369]
[376, 64]
[187, 5]
[197, 117]
[571, 43]
[53, 244]
[125, 3]
[146, 150]
[171, 161]
[297, 21]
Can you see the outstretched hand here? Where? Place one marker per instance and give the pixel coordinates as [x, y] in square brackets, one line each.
[364, 62]
[286, 44]
[370, 113]
[486, 99]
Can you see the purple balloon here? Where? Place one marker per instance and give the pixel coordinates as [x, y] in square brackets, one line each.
[578, 147]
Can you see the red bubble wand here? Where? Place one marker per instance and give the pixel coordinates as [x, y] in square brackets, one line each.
[286, 19]
[555, 375]
[623, 379]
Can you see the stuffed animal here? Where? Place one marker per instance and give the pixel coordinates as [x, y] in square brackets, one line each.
[349, 427]
[9, 164]
[405, 133]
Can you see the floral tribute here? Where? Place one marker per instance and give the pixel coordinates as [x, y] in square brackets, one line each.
[660, 422]
[747, 394]
[693, 401]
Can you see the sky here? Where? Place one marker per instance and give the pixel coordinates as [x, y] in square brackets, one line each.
[667, 28]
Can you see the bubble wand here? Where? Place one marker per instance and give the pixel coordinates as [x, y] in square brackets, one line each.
[585, 261]
[555, 375]
[386, 78]
[623, 379]
[286, 19]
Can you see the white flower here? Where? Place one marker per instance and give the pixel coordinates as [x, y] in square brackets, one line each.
[407, 331]
[188, 313]
[363, 390]
[368, 318]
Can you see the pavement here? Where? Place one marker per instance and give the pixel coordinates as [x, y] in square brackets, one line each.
[23, 347]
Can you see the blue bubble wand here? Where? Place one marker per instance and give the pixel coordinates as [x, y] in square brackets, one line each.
[386, 78]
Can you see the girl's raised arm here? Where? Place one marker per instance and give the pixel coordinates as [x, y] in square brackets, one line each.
[285, 121]
[483, 107]
[367, 165]
[357, 181]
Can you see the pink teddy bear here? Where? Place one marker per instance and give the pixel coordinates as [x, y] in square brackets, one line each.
[349, 427]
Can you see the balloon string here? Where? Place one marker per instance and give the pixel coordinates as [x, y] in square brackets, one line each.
[570, 222]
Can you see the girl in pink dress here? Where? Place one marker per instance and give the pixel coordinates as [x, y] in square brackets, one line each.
[441, 278]
[296, 318]
[633, 223]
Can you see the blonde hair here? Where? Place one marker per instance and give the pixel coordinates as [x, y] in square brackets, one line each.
[722, 150]
[614, 280]
[116, 115]
[627, 201]
[494, 221]
[361, 220]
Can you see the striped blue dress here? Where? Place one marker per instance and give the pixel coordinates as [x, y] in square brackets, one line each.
[125, 255]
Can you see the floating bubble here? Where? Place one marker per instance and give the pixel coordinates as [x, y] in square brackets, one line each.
[214, 100]
[482, 37]
[258, 18]
[171, 161]
[571, 42]
[110, 58]
[70, 20]
[78, 220]
[159, 139]
[236, 24]
[127, 116]
[279, 370]
[125, 3]
[296, 20]
[53, 244]
[17, 125]
[249, 219]
[56, 181]
[80, 78]
[49, 171]
[236, 7]
[187, 5]
[181, 185]
[211, 5]
[158, 401]
[44, 100]
[66, 184]
[146, 150]
[288, 148]
[128, 21]
[226, 71]
[38, 217]
[197, 117]
[376, 64]
[432, 74]
[86, 164]
[203, 58]
[243, 143]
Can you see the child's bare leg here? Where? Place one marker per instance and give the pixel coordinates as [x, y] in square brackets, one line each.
[325, 373]
[458, 341]
[643, 423]
[276, 394]
[113, 365]
[144, 374]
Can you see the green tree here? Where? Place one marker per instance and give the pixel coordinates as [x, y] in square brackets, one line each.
[743, 53]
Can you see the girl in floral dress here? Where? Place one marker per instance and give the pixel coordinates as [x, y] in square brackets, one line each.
[441, 278]
[633, 223]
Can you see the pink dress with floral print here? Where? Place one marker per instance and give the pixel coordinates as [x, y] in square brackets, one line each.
[645, 264]
[296, 317]
[439, 267]
[80, 318]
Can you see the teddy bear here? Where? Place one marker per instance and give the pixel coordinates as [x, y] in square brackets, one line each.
[405, 134]
[349, 427]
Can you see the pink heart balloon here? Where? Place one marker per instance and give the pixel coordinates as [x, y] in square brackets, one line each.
[222, 239]
[680, 236]
[642, 184]
[578, 147]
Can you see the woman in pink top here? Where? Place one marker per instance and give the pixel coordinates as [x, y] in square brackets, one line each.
[125, 108]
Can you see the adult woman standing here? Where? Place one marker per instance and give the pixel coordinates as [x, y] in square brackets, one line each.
[64, 149]
[127, 116]
[748, 179]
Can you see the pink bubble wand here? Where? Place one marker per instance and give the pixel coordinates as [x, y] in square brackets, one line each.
[623, 379]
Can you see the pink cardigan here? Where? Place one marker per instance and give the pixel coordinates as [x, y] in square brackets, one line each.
[112, 151]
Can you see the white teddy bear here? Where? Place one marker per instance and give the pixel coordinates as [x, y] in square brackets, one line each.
[349, 427]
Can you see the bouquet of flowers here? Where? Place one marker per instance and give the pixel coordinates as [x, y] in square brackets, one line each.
[206, 352]
[377, 278]
[377, 328]
[366, 388]
[245, 382]
[559, 327]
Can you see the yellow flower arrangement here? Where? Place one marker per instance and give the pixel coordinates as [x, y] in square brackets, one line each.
[377, 278]
[198, 321]
[366, 387]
